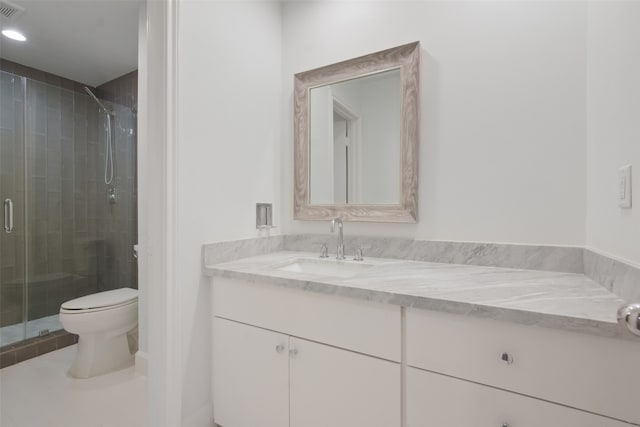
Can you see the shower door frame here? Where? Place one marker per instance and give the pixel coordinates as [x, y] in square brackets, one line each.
[23, 278]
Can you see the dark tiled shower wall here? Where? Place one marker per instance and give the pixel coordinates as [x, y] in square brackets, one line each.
[60, 141]
[78, 242]
[123, 90]
[42, 76]
[118, 222]
[57, 136]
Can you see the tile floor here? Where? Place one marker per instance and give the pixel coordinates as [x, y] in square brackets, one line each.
[38, 393]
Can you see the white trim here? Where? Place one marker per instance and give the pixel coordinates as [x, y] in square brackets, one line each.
[142, 138]
[142, 363]
[201, 417]
[157, 191]
[330, 147]
[173, 301]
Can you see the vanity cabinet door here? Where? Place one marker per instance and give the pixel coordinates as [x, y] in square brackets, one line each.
[435, 400]
[250, 376]
[339, 388]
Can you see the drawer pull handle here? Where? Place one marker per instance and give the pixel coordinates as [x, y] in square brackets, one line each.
[508, 359]
[629, 318]
[279, 348]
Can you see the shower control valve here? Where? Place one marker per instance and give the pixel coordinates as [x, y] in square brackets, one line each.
[113, 195]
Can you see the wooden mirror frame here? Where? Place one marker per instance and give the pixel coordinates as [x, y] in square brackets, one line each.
[407, 59]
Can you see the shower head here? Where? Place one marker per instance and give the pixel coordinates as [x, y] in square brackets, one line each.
[95, 98]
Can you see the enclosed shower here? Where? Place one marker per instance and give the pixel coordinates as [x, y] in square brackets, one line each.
[68, 188]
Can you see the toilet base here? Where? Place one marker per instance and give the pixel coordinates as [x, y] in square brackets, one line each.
[99, 354]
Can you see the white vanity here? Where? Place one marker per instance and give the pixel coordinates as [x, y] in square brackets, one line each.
[415, 344]
[289, 357]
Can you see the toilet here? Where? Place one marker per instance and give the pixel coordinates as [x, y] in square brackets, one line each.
[102, 321]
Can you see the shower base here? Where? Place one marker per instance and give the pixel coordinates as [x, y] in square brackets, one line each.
[15, 350]
[13, 333]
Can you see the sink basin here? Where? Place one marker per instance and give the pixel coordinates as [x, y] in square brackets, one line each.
[325, 267]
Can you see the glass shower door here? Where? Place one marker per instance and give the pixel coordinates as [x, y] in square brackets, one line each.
[72, 233]
[62, 139]
[12, 196]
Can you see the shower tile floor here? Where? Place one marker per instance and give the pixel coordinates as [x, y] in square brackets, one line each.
[13, 333]
[38, 393]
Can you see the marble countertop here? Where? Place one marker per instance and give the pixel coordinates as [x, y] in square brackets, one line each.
[566, 301]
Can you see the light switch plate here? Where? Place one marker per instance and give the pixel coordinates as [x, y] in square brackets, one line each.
[624, 187]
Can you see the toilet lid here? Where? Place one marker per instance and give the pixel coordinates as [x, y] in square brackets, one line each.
[102, 299]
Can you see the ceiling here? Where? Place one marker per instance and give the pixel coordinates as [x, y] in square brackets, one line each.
[90, 41]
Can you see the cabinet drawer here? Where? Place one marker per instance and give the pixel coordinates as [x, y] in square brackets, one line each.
[438, 400]
[362, 326]
[591, 373]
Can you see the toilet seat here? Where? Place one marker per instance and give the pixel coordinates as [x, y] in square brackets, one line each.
[101, 301]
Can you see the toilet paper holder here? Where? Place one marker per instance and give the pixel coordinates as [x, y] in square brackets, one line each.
[264, 216]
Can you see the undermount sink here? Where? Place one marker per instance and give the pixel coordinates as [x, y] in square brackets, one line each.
[325, 267]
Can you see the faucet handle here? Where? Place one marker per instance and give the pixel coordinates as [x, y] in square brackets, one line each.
[358, 256]
[324, 251]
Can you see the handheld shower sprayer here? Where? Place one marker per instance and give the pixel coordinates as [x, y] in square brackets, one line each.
[108, 152]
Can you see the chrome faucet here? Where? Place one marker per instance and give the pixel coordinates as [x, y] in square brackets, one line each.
[338, 222]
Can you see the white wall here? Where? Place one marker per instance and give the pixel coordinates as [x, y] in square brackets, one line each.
[613, 118]
[503, 129]
[504, 119]
[229, 112]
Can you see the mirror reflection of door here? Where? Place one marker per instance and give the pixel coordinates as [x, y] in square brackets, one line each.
[340, 159]
[346, 153]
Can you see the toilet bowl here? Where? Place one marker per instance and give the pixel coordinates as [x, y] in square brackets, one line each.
[102, 321]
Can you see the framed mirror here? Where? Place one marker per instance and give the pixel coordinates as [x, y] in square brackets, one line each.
[356, 138]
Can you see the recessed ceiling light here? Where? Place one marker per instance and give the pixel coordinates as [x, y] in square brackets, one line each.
[14, 35]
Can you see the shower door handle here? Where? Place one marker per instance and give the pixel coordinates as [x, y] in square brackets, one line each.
[8, 215]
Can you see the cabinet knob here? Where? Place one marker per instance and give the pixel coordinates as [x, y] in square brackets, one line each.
[629, 318]
[507, 359]
[279, 348]
[505, 425]
[293, 352]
